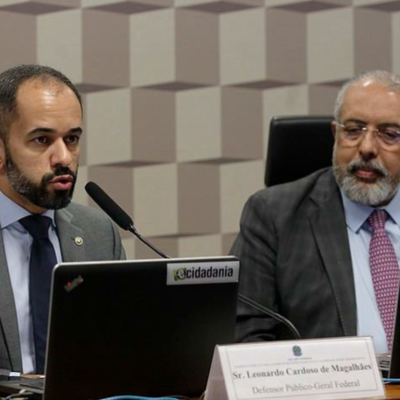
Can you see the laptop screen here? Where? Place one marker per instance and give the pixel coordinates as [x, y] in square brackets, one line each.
[144, 328]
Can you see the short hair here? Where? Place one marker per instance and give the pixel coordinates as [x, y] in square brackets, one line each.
[13, 78]
[392, 81]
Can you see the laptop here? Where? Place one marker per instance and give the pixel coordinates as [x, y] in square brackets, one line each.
[145, 327]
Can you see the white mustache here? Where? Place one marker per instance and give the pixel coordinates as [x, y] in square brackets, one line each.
[367, 166]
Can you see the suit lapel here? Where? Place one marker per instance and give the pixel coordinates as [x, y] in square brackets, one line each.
[8, 314]
[71, 237]
[330, 232]
[72, 249]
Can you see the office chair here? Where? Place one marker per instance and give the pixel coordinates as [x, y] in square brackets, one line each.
[297, 147]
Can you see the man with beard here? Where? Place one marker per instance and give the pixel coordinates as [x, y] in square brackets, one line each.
[312, 249]
[40, 131]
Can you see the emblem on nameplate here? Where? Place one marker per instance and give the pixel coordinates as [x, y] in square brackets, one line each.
[297, 351]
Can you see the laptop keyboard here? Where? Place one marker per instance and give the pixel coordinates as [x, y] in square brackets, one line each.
[384, 365]
[33, 383]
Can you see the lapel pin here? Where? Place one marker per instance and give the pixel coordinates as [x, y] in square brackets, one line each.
[78, 241]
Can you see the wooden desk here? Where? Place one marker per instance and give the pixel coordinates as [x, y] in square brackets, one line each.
[393, 392]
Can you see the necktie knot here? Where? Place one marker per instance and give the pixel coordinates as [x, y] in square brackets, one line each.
[378, 219]
[37, 226]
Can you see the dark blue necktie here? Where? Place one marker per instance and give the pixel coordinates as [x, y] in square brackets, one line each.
[42, 261]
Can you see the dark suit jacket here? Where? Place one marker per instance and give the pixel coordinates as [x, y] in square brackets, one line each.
[101, 241]
[295, 259]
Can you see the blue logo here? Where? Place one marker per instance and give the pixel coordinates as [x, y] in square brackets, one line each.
[297, 351]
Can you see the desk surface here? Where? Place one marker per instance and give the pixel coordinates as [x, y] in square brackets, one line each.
[393, 391]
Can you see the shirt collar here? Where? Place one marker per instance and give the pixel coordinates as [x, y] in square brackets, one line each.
[11, 212]
[356, 214]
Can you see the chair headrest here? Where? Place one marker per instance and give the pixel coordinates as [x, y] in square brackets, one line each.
[297, 146]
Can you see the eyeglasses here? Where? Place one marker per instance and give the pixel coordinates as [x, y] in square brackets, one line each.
[387, 136]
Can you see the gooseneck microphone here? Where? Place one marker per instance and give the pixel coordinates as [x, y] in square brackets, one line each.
[125, 222]
[116, 213]
[277, 317]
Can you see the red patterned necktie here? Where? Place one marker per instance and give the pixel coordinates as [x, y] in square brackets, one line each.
[384, 271]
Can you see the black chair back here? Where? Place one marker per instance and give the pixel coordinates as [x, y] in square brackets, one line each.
[297, 147]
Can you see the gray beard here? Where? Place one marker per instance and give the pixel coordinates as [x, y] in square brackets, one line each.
[374, 194]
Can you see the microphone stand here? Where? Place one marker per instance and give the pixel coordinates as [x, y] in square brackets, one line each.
[133, 230]
[271, 314]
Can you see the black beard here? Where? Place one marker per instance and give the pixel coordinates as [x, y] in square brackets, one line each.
[38, 194]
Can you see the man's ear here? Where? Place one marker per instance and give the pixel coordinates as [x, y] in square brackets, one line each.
[333, 129]
[2, 155]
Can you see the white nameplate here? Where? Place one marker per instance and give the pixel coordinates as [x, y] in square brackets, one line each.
[338, 368]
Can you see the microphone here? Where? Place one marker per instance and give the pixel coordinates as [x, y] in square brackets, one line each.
[125, 222]
[270, 313]
[116, 213]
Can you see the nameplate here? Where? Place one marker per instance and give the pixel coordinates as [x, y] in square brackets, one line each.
[337, 368]
[198, 273]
